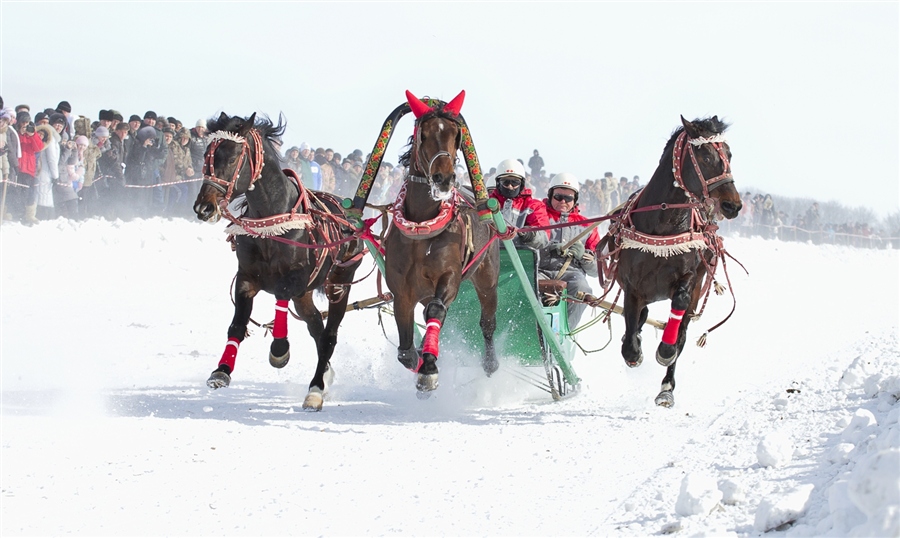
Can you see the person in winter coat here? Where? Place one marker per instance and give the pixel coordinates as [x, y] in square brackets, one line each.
[536, 163]
[89, 196]
[48, 172]
[517, 206]
[559, 260]
[30, 143]
[111, 168]
[142, 171]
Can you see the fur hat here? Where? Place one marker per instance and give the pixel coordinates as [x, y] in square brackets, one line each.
[184, 132]
[105, 115]
[57, 117]
[146, 133]
[64, 106]
[150, 114]
[116, 115]
[46, 131]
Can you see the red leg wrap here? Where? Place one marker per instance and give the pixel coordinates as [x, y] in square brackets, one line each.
[230, 353]
[432, 335]
[281, 312]
[670, 335]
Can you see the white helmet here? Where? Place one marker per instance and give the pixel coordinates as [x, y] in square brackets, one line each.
[511, 167]
[563, 180]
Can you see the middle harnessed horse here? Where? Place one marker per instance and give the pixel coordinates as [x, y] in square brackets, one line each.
[436, 233]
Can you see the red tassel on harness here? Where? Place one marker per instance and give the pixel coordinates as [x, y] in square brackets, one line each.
[432, 335]
[670, 335]
[230, 353]
[281, 312]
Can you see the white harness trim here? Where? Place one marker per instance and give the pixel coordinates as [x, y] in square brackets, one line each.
[665, 251]
[225, 135]
[266, 231]
[701, 140]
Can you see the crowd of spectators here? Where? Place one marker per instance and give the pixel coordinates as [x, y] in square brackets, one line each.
[760, 217]
[56, 163]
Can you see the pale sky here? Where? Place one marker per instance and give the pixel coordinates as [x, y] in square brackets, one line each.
[812, 89]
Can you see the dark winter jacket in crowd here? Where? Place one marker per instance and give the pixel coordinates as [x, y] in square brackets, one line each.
[144, 162]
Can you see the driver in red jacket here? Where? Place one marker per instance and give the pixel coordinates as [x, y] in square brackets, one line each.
[517, 206]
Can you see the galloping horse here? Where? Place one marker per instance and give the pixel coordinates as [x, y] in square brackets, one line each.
[664, 242]
[279, 217]
[435, 233]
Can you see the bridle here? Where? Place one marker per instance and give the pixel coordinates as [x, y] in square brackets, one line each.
[428, 178]
[718, 142]
[256, 161]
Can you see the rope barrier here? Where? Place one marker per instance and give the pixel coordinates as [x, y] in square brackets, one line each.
[164, 184]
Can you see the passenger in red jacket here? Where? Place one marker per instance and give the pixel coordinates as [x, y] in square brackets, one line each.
[561, 260]
[517, 206]
[29, 143]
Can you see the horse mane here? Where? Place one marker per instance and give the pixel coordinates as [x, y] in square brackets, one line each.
[267, 128]
[709, 126]
[436, 113]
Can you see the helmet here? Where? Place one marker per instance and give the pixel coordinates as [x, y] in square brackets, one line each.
[513, 169]
[563, 180]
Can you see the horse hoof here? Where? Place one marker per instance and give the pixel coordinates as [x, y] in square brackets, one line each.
[490, 366]
[636, 362]
[666, 354]
[218, 380]
[314, 399]
[426, 382]
[280, 353]
[665, 399]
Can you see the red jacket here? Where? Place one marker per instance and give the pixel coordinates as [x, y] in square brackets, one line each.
[29, 144]
[523, 210]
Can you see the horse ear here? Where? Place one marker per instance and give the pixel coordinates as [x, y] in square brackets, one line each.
[248, 124]
[690, 128]
[418, 108]
[223, 118]
[454, 106]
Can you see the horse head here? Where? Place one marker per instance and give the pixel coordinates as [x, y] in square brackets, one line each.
[708, 178]
[434, 144]
[232, 162]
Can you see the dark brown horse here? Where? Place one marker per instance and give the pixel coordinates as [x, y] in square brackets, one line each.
[272, 235]
[434, 234]
[665, 243]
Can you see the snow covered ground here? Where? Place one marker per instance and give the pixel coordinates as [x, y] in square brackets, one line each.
[787, 420]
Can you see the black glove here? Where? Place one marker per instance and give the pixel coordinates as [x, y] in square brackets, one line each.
[526, 237]
[29, 128]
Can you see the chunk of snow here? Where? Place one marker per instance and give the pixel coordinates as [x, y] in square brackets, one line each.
[860, 427]
[874, 484]
[884, 523]
[699, 495]
[840, 453]
[774, 450]
[732, 491]
[784, 509]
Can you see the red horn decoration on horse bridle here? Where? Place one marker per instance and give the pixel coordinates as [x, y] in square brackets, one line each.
[454, 106]
[419, 108]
